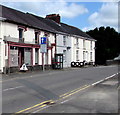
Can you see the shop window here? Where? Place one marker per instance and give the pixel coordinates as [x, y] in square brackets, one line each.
[36, 56]
[27, 56]
[13, 56]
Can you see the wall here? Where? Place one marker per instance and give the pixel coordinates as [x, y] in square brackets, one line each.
[61, 48]
[11, 31]
[80, 48]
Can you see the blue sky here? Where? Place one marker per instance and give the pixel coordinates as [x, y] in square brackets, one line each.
[84, 15]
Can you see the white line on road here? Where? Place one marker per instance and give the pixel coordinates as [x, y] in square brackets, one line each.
[12, 88]
[104, 79]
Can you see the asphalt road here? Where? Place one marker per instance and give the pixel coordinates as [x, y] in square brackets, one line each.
[22, 92]
[100, 98]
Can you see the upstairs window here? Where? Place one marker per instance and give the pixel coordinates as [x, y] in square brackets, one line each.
[77, 42]
[83, 44]
[91, 45]
[64, 40]
[36, 37]
[20, 33]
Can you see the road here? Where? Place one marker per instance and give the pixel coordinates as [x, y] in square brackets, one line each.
[22, 92]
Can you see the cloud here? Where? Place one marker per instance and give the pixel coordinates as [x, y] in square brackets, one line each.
[67, 10]
[107, 15]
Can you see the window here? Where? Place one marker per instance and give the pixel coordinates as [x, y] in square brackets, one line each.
[64, 40]
[77, 55]
[27, 56]
[77, 42]
[36, 56]
[36, 37]
[13, 56]
[64, 55]
[91, 45]
[83, 55]
[90, 56]
[20, 33]
[83, 44]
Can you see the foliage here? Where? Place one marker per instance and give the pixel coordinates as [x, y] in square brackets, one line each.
[107, 44]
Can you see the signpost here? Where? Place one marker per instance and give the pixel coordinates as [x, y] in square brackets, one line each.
[43, 49]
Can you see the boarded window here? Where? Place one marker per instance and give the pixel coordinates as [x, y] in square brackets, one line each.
[27, 56]
[13, 56]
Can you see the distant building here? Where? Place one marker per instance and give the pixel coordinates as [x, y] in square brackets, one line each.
[20, 35]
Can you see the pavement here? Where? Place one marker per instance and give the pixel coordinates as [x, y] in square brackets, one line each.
[31, 92]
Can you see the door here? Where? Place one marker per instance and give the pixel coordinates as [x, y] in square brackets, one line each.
[58, 62]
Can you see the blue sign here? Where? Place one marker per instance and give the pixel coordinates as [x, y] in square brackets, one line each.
[43, 40]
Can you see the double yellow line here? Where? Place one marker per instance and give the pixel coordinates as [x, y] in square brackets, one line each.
[74, 91]
[48, 102]
[40, 105]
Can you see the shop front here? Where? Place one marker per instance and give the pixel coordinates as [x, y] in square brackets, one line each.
[19, 54]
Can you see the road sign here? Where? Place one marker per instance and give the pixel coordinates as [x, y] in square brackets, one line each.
[43, 40]
[43, 48]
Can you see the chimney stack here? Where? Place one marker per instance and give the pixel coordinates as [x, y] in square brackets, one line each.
[54, 17]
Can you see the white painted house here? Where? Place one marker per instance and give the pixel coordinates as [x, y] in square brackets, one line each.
[20, 35]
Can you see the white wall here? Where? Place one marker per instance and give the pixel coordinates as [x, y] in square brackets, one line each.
[80, 48]
[11, 30]
[61, 48]
[29, 36]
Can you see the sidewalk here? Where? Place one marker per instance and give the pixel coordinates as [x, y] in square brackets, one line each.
[101, 98]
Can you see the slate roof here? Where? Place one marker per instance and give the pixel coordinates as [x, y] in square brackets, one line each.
[37, 22]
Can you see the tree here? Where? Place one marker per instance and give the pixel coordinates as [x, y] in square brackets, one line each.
[107, 44]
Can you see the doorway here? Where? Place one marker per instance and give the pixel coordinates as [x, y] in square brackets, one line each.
[21, 56]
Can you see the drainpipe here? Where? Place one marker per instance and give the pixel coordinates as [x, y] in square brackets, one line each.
[55, 44]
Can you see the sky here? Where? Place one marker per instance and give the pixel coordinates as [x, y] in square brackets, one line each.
[84, 14]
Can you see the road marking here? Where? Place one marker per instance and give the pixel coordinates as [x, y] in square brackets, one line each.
[32, 107]
[12, 88]
[87, 86]
[40, 109]
[105, 79]
[64, 101]
[72, 91]
[43, 105]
